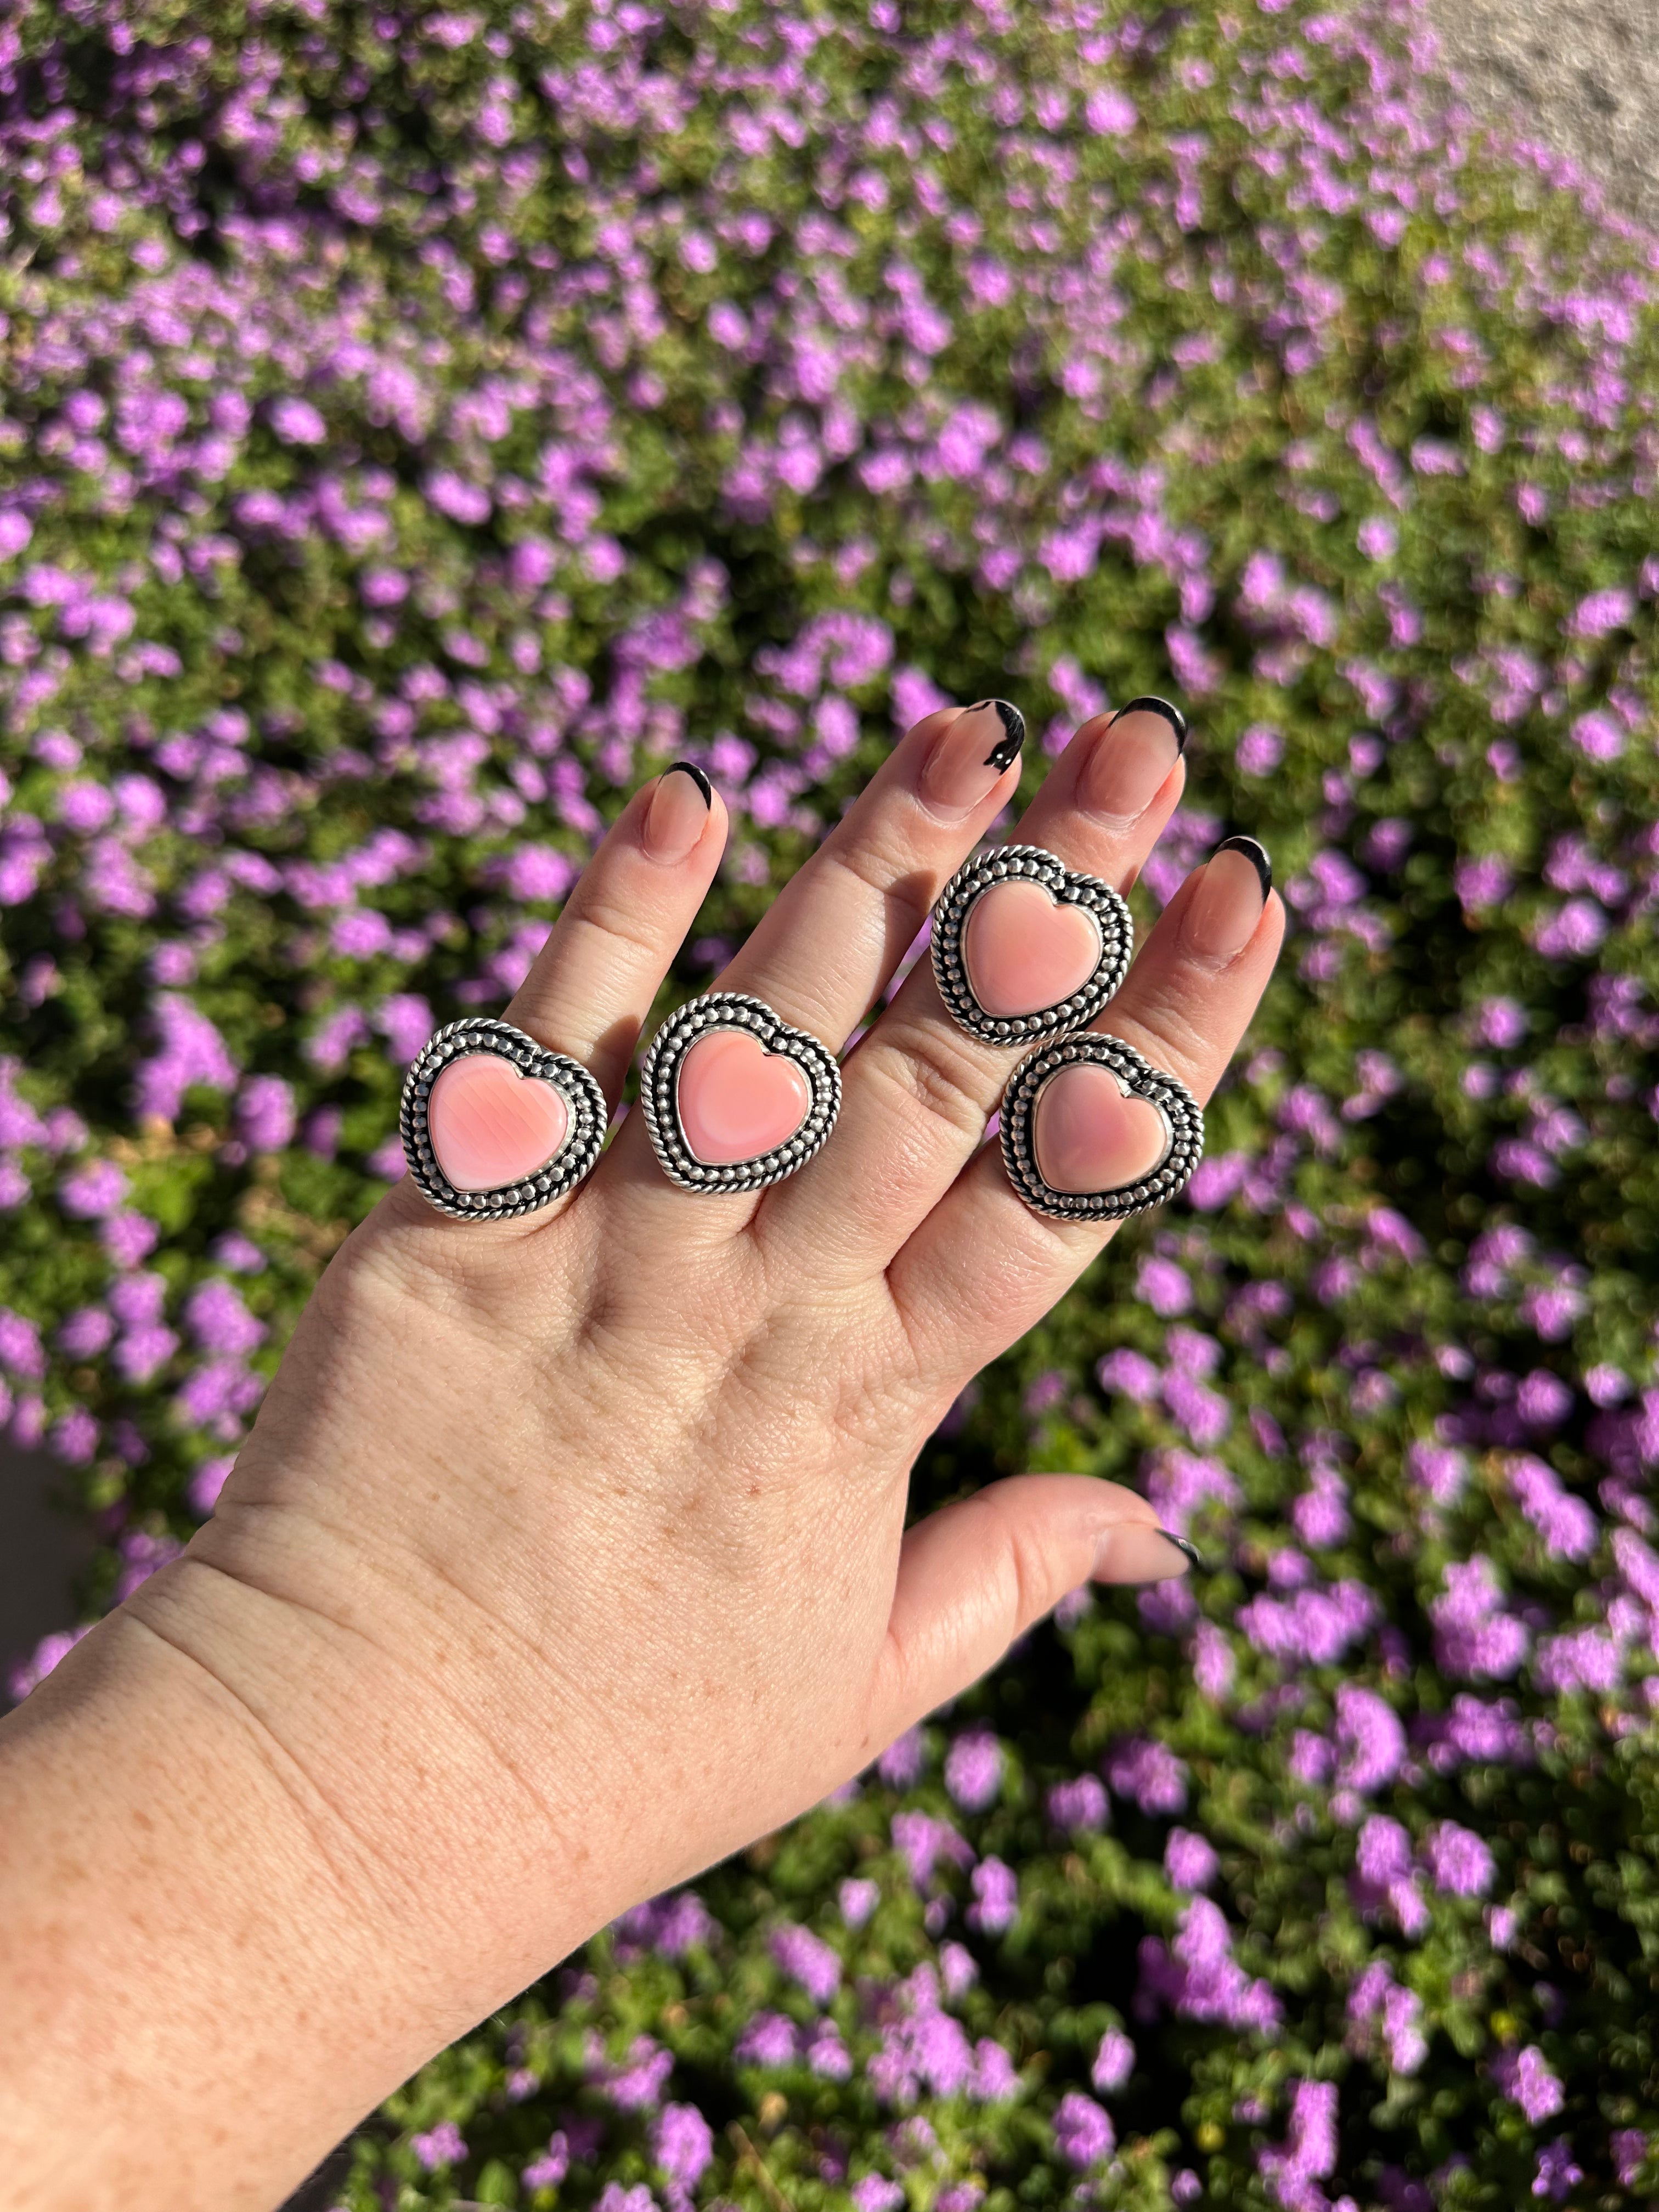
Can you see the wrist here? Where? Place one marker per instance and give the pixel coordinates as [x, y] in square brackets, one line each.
[199, 1922]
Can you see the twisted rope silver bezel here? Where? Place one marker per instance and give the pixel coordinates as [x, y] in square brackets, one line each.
[584, 1139]
[1065, 886]
[1182, 1115]
[660, 1096]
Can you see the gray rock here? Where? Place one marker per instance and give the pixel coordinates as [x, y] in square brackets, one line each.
[1584, 78]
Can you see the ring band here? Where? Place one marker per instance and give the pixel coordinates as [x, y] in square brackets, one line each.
[496, 1125]
[1180, 1112]
[734, 1098]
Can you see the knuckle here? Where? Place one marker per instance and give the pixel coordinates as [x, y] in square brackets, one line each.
[1163, 1025]
[921, 1061]
[878, 870]
[616, 927]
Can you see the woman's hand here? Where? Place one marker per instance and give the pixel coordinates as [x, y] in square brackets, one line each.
[568, 1553]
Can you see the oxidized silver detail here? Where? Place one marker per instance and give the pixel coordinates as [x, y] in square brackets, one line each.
[1065, 886]
[1182, 1117]
[659, 1092]
[580, 1089]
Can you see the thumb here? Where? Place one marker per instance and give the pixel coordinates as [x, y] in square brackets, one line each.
[976, 1575]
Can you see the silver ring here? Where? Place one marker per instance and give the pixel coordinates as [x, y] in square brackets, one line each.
[539, 1182]
[1106, 909]
[1181, 1115]
[659, 1076]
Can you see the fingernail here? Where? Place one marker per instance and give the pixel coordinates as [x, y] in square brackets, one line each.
[1131, 758]
[1227, 905]
[971, 755]
[1136, 1552]
[680, 806]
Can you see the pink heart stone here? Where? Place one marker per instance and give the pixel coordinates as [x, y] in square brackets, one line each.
[737, 1100]
[489, 1124]
[1089, 1137]
[1024, 951]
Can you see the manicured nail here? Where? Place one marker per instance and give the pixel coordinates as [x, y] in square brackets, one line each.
[680, 808]
[971, 755]
[1136, 1552]
[1131, 758]
[1148, 705]
[1227, 905]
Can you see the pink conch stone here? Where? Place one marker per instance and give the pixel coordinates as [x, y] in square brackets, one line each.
[1023, 952]
[1089, 1136]
[489, 1124]
[737, 1100]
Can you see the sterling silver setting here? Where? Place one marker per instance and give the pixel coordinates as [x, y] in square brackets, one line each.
[659, 1074]
[1065, 886]
[1181, 1115]
[584, 1136]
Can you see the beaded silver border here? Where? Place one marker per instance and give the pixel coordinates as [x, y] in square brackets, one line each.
[658, 1091]
[1067, 886]
[1183, 1118]
[576, 1084]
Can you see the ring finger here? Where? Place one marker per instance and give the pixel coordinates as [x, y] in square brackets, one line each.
[917, 1091]
[984, 1267]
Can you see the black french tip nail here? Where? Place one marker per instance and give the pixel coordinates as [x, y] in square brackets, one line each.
[1172, 716]
[1006, 750]
[685, 768]
[1256, 854]
[1185, 1546]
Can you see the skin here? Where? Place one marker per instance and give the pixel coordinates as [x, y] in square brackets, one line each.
[568, 1555]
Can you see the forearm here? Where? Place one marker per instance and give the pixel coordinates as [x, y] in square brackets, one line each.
[206, 1978]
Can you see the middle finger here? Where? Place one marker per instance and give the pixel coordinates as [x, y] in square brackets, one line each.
[917, 1090]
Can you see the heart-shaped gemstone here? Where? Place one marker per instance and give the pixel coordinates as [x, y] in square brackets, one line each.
[1090, 1136]
[489, 1126]
[738, 1101]
[1025, 950]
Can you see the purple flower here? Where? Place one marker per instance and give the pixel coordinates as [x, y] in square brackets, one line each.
[768, 2039]
[858, 1900]
[924, 1841]
[973, 1769]
[683, 2143]
[219, 1321]
[1383, 1853]
[1525, 2078]
[93, 1192]
[549, 2169]
[900, 1764]
[265, 1117]
[1556, 2175]
[1629, 2151]
[1460, 1863]
[808, 1959]
[1113, 2063]
[1370, 1737]
[1565, 1523]
[877, 2193]
[443, 2145]
[1079, 1804]
[1130, 1373]
[996, 1897]
[191, 1051]
[1308, 2152]
[1166, 1288]
[1084, 2133]
[1149, 1774]
[1188, 1860]
[1601, 612]
[1474, 1636]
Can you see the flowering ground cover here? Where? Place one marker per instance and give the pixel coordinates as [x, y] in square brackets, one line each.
[416, 428]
